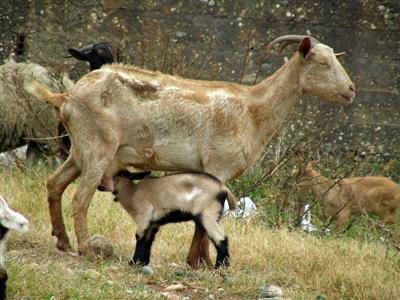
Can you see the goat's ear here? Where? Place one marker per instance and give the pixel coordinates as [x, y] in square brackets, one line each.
[305, 46]
[77, 54]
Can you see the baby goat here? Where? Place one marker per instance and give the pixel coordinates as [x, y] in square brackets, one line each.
[156, 201]
[350, 196]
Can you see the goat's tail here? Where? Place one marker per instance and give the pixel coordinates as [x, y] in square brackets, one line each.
[41, 93]
[231, 199]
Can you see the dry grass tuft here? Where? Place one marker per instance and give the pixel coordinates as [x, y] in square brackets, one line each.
[305, 266]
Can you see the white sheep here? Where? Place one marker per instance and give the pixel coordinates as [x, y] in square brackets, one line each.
[180, 197]
[23, 117]
[9, 219]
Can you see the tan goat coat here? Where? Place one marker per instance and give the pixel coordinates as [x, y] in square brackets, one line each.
[351, 196]
[121, 115]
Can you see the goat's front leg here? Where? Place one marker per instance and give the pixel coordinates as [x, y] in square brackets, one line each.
[144, 242]
[56, 186]
[343, 218]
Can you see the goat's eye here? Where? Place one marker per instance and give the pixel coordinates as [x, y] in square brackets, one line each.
[324, 64]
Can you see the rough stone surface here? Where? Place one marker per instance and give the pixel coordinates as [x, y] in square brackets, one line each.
[270, 291]
[101, 246]
[212, 39]
[147, 270]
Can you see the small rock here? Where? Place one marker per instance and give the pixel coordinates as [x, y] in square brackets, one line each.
[113, 269]
[101, 246]
[270, 291]
[179, 273]
[180, 34]
[92, 273]
[381, 7]
[147, 270]
[170, 295]
[174, 287]
[229, 279]
[191, 276]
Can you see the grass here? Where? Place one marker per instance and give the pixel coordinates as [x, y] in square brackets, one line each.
[339, 266]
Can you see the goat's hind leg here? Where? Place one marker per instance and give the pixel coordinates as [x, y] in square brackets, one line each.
[56, 186]
[220, 240]
[95, 167]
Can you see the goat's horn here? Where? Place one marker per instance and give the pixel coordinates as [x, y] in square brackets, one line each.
[340, 54]
[132, 175]
[288, 39]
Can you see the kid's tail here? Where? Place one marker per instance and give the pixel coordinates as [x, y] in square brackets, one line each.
[231, 199]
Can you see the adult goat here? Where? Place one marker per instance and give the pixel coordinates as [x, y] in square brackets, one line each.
[125, 116]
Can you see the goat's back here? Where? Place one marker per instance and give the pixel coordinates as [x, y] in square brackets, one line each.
[163, 122]
[183, 191]
[374, 193]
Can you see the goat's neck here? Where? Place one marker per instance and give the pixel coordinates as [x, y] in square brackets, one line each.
[320, 184]
[275, 97]
[126, 191]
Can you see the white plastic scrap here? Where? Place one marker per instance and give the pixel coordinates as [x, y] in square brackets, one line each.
[246, 208]
[305, 223]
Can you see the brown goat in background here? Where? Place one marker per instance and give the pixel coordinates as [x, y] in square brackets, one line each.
[351, 196]
[122, 116]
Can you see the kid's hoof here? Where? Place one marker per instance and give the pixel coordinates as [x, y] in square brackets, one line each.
[133, 263]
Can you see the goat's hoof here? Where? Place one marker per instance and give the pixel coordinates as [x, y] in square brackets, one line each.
[63, 246]
[137, 263]
[133, 263]
[199, 263]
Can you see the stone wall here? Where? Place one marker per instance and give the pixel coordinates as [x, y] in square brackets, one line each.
[213, 39]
